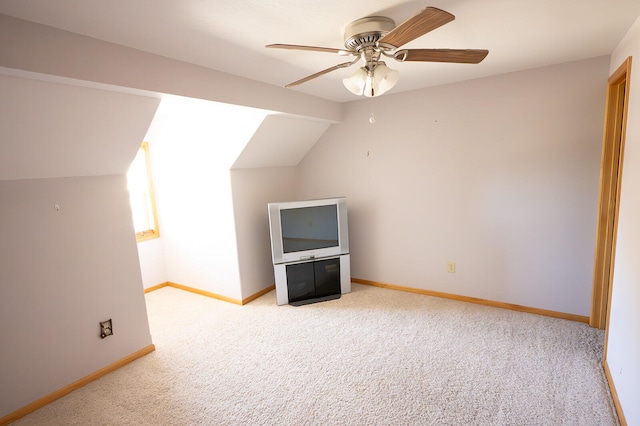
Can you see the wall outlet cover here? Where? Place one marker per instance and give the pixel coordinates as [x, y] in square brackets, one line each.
[451, 267]
[106, 328]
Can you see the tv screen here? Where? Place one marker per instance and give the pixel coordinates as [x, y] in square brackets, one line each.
[309, 228]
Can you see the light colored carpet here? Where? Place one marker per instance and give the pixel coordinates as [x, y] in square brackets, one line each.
[373, 357]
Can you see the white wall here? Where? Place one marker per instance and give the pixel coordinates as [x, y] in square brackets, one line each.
[193, 145]
[623, 348]
[498, 174]
[62, 272]
[52, 130]
[151, 254]
[253, 189]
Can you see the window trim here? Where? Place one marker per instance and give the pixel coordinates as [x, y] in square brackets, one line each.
[149, 234]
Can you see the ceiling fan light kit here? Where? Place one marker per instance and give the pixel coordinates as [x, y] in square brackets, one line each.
[372, 37]
[371, 83]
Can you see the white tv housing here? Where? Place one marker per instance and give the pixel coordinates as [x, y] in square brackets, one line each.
[309, 231]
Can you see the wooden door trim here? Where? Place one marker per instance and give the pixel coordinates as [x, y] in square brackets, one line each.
[615, 125]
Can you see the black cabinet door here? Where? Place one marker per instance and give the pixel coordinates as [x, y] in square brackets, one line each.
[327, 277]
[300, 281]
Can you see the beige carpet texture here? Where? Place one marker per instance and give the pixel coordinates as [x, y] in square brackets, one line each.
[373, 357]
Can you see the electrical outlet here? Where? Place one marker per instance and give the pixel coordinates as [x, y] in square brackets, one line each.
[106, 328]
[451, 267]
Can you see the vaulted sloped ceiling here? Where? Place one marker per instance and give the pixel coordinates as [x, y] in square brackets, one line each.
[230, 35]
[51, 130]
[280, 141]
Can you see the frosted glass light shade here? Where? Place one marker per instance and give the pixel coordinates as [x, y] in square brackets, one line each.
[361, 83]
[385, 78]
[356, 82]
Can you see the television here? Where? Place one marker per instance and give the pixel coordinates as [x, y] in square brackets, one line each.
[305, 230]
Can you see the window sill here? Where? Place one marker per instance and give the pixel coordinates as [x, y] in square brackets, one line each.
[146, 236]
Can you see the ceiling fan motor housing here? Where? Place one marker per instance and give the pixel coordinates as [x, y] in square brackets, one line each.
[366, 31]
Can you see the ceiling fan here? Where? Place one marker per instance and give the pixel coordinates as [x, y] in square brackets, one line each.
[371, 38]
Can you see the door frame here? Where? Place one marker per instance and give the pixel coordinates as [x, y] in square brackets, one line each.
[615, 124]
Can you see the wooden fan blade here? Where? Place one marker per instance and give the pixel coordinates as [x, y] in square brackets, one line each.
[318, 74]
[427, 20]
[458, 56]
[311, 48]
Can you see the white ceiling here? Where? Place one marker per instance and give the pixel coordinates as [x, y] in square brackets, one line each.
[280, 141]
[230, 35]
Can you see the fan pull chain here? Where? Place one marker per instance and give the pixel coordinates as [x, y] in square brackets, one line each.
[372, 118]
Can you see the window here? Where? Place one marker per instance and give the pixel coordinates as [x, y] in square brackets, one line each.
[143, 203]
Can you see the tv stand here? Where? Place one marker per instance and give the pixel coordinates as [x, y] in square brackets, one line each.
[315, 300]
[312, 280]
